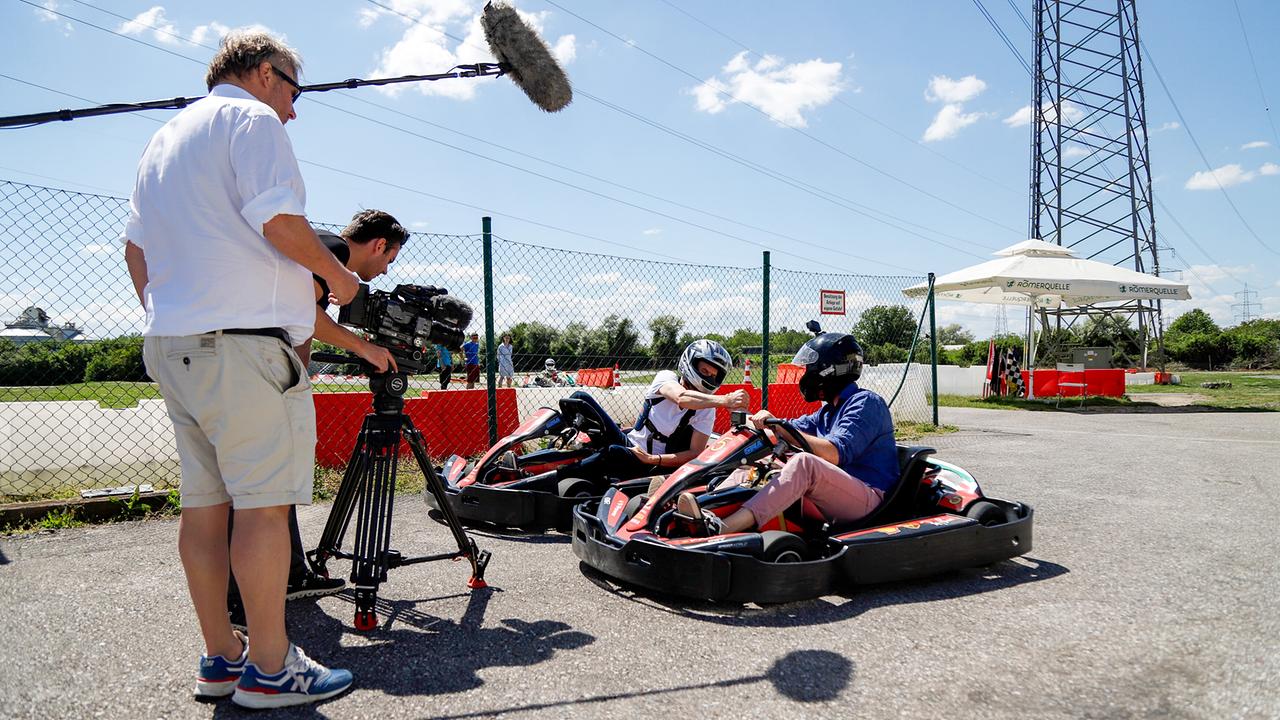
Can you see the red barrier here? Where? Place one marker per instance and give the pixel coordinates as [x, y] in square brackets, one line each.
[1106, 382]
[784, 402]
[450, 421]
[722, 415]
[595, 377]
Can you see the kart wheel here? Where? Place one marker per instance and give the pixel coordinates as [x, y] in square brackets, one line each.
[782, 547]
[987, 514]
[576, 488]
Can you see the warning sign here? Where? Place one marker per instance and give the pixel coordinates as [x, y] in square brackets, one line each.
[832, 302]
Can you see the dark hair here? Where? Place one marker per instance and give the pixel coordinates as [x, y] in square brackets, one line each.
[244, 50]
[367, 225]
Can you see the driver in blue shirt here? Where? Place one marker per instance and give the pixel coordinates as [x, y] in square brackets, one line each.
[854, 459]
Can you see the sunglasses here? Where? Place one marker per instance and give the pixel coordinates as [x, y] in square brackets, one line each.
[297, 89]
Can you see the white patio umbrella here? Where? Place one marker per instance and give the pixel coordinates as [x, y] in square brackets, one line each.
[1037, 274]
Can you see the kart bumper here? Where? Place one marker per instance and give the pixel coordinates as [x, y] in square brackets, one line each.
[526, 509]
[697, 573]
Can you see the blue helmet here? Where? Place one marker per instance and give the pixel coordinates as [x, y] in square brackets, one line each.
[831, 361]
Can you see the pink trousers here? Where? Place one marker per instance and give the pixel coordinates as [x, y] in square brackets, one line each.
[840, 497]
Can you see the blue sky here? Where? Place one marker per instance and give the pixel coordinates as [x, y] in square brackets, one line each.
[918, 99]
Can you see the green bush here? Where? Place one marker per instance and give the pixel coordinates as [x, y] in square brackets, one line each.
[116, 359]
[44, 363]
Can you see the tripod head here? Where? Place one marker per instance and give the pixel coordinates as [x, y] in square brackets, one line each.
[388, 388]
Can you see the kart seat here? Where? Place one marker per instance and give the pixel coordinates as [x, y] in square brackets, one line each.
[902, 498]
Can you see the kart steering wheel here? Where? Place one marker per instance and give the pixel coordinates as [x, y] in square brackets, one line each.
[582, 416]
[802, 446]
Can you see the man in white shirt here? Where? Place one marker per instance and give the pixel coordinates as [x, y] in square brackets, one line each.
[221, 255]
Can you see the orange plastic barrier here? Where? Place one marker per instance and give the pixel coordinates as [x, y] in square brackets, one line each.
[451, 422]
[595, 377]
[788, 373]
[784, 402]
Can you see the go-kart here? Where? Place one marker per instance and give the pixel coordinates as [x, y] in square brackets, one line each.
[935, 518]
[562, 379]
[517, 494]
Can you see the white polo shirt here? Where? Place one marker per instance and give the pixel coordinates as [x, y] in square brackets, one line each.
[207, 183]
[666, 415]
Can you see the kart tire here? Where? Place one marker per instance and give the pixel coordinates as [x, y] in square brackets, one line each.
[782, 547]
[576, 488]
[987, 514]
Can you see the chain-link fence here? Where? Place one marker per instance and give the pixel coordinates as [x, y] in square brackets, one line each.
[77, 411]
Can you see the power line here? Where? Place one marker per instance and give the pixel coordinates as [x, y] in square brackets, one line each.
[1003, 37]
[1203, 157]
[515, 167]
[840, 151]
[1266, 107]
[841, 101]
[871, 213]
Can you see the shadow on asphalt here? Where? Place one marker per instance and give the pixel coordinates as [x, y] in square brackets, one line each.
[834, 608]
[415, 653]
[498, 532]
[801, 675]
[1144, 408]
[4, 559]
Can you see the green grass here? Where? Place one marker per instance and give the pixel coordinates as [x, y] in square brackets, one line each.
[126, 509]
[1012, 403]
[1247, 391]
[107, 394]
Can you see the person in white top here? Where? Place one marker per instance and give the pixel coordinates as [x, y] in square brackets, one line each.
[221, 255]
[674, 425]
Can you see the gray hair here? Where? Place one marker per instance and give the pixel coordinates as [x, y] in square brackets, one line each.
[244, 50]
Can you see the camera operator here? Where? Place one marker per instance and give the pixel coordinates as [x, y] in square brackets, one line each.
[369, 243]
[219, 251]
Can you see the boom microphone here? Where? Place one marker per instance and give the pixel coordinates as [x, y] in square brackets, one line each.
[521, 54]
[525, 57]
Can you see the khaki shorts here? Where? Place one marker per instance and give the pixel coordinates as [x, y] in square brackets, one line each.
[243, 416]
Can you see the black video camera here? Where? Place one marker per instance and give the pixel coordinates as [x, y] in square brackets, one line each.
[408, 321]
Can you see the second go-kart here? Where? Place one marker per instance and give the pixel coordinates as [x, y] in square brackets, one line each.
[935, 518]
[512, 490]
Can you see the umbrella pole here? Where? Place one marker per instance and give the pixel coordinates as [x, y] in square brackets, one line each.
[1031, 351]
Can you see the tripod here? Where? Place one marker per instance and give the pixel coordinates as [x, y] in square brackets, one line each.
[369, 486]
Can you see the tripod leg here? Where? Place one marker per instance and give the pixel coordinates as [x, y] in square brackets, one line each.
[335, 526]
[478, 558]
[370, 554]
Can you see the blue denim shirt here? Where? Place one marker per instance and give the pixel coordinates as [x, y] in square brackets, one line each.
[861, 428]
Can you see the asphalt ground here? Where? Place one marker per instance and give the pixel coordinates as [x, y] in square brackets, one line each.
[1150, 592]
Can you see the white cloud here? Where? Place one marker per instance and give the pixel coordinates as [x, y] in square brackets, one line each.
[100, 249]
[210, 34]
[697, 286]
[46, 14]
[1224, 176]
[516, 279]
[1255, 145]
[945, 90]
[784, 92]
[1074, 151]
[1167, 126]
[652, 231]
[605, 278]
[565, 49]
[1022, 116]
[949, 121]
[154, 20]
[1269, 169]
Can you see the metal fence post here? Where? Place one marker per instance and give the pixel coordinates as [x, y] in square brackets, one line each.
[764, 349]
[491, 360]
[933, 349]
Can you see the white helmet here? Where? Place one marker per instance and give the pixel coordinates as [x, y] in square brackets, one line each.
[711, 352]
[550, 364]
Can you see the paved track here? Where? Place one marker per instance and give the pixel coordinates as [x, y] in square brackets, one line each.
[1150, 593]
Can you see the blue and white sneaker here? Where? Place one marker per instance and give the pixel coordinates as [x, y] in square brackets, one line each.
[218, 675]
[302, 680]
